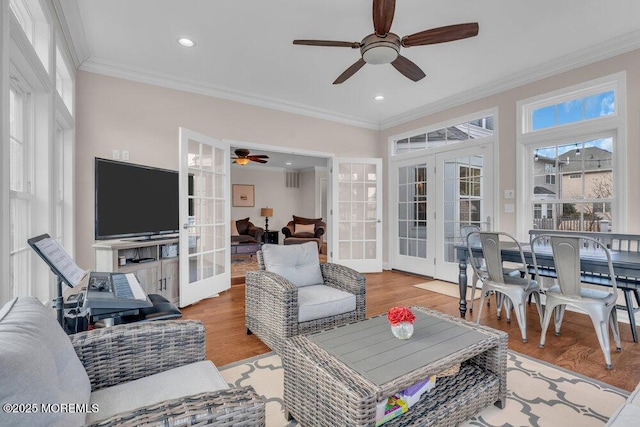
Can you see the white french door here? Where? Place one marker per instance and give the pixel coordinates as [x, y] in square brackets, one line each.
[433, 195]
[357, 213]
[205, 260]
[412, 197]
[464, 195]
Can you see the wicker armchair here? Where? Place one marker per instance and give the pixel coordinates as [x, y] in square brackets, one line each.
[124, 353]
[272, 306]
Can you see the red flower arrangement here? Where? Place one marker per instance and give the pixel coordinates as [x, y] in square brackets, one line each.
[400, 314]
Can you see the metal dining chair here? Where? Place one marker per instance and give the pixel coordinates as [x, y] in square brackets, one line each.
[465, 231]
[569, 290]
[515, 288]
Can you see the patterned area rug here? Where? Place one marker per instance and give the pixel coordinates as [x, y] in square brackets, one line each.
[538, 394]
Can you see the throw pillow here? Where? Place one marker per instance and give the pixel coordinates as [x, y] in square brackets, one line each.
[299, 264]
[304, 228]
[301, 220]
[242, 225]
[234, 229]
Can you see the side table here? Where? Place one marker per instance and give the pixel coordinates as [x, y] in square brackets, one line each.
[271, 237]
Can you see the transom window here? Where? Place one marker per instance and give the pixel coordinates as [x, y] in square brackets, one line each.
[572, 107]
[465, 131]
[34, 23]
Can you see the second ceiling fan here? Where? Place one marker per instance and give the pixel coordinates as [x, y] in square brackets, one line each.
[383, 47]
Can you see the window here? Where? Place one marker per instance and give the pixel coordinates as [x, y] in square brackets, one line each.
[571, 171]
[33, 22]
[589, 107]
[20, 189]
[38, 194]
[64, 82]
[465, 131]
[585, 184]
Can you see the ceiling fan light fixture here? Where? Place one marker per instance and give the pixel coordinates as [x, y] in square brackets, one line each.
[380, 50]
[242, 161]
[183, 41]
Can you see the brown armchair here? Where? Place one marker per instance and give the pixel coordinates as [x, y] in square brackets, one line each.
[246, 231]
[302, 230]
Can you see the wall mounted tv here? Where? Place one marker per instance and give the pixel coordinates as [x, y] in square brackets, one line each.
[134, 200]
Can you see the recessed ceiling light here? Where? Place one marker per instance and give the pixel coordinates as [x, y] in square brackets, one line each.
[288, 163]
[378, 97]
[186, 42]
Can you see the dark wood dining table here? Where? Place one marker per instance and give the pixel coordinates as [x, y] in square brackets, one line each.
[626, 265]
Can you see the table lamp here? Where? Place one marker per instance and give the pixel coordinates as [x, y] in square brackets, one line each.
[266, 213]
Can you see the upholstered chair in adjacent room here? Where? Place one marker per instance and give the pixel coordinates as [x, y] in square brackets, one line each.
[302, 230]
[243, 230]
[294, 294]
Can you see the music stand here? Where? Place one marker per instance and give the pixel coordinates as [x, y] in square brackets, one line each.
[61, 265]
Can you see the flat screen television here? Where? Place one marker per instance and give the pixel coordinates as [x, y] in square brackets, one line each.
[134, 200]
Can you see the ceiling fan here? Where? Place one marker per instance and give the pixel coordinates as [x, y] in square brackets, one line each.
[244, 157]
[383, 47]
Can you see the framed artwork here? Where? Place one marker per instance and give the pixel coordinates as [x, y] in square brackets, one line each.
[243, 195]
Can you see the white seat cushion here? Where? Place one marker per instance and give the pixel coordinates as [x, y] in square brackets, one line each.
[299, 264]
[39, 365]
[318, 301]
[183, 381]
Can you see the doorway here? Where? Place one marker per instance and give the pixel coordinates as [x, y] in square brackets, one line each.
[432, 196]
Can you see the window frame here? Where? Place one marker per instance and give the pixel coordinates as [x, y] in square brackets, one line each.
[612, 125]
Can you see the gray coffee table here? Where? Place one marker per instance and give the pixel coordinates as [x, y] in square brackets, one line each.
[336, 377]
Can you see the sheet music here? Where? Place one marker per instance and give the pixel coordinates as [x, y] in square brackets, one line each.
[56, 254]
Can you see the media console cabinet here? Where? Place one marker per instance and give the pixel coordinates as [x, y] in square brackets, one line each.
[157, 275]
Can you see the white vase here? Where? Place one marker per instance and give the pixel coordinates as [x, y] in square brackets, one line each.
[402, 330]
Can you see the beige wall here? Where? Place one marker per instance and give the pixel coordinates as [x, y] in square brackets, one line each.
[506, 131]
[114, 113]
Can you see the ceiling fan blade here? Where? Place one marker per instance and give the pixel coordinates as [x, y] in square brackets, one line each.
[408, 68]
[258, 156]
[349, 71]
[383, 11]
[258, 160]
[329, 43]
[441, 34]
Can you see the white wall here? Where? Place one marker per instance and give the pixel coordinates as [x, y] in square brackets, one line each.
[144, 119]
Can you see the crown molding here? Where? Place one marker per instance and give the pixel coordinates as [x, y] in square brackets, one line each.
[581, 58]
[72, 29]
[99, 66]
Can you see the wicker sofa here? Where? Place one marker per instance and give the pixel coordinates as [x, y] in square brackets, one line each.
[278, 306]
[140, 373]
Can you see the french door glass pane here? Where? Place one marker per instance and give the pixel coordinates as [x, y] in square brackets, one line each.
[357, 199]
[463, 197]
[412, 210]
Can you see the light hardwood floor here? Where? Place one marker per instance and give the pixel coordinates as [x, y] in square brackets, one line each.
[576, 348]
